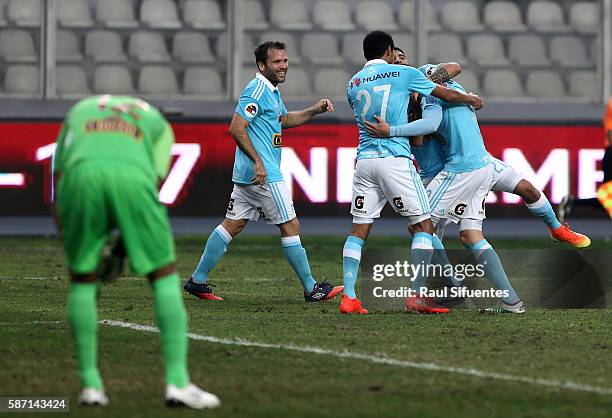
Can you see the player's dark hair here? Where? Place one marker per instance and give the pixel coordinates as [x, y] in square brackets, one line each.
[261, 52]
[397, 48]
[376, 43]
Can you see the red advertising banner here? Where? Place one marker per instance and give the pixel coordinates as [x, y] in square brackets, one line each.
[317, 162]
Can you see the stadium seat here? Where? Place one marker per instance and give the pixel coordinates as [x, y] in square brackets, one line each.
[104, 46]
[113, 79]
[331, 82]
[469, 80]
[22, 80]
[203, 14]
[192, 47]
[67, 47]
[352, 47]
[25, 13]
[528, 50]
[584, 16]
[321, 48]
[202, 81]
[290, 15]
[486, 50]
[71, 80]
[247, 51]
[583, 84]
[333, 15]
[3, 21]
[116, 14]
[157, 80]
[148, 47]
[406, 16]
[404, 41]
[159, 14]
[253, 15]
[503, 16]
[594, 48]
[374, 14]
[287, 37]
[446, 47]
[569, 51]
[74, 14]
[297, 84]
[544, 83]
[17, 46]
[546, 16]
[461, 16]
[502, 84]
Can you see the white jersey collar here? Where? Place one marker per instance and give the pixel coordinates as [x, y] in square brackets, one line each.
[266, 82]
[375, 61]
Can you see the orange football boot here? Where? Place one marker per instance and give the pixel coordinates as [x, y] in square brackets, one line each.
[351, 305]
[565, 234]
[424, 304]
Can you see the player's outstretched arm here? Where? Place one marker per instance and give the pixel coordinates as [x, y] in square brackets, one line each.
[432, 117]
[238, 131]
[445, 71]
[454, 96]
[299, 117]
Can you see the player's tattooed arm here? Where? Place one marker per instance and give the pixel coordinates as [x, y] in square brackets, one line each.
[299, 117]
[238, 131]
[445, 71]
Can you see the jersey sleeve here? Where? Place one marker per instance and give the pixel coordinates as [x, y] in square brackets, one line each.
[248, 105]
[418, 82]
[161, 151]
[607, 122]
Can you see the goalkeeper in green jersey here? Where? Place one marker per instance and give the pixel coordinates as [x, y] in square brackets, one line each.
[111, 153]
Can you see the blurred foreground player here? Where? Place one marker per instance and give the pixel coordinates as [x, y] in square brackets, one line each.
[259, 188]
[111, 153]
[604, 192]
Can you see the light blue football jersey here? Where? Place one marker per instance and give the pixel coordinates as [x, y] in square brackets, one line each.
[431, 157]
[261, 104]
[459, 128]
[383, 89]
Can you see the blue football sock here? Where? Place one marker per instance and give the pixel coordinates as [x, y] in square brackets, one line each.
[420, 254]
[493, 268]
[213, 251]
[351, 257]
[296, 256]
[440, 258]
[543, 210]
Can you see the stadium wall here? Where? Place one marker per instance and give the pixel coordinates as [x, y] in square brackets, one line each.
[317, 158]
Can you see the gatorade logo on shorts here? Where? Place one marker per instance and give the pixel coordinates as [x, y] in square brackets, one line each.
[397, 201]
[460, 208]
[359, 202]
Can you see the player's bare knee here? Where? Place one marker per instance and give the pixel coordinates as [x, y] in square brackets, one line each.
[361, 231]
[291, 228]
[527, 191]
[423, 226]
[470, 236]
[162, 272]
[234, 226]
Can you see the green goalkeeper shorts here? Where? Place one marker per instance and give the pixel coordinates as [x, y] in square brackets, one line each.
[95, 197]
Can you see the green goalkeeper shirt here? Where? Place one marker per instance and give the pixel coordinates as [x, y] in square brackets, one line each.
[115, 128]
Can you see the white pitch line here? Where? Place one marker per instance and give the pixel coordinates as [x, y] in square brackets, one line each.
[569, 385]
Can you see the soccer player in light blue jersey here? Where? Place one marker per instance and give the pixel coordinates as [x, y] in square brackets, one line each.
[259, 188]
[384, 171]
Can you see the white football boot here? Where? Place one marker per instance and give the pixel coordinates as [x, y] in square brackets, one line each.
[503, 307]
[191, 396]
[93, 396]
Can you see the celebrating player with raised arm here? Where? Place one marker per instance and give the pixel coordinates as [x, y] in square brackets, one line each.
[505, 178]
[384, 170]
[111, 153]
[259, 189]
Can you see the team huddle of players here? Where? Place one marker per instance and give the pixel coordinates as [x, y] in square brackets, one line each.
[113, 150]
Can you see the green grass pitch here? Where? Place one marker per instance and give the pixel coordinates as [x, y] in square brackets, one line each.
[264, 304]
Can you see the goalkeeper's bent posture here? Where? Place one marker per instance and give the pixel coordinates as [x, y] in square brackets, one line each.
[111, 153]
